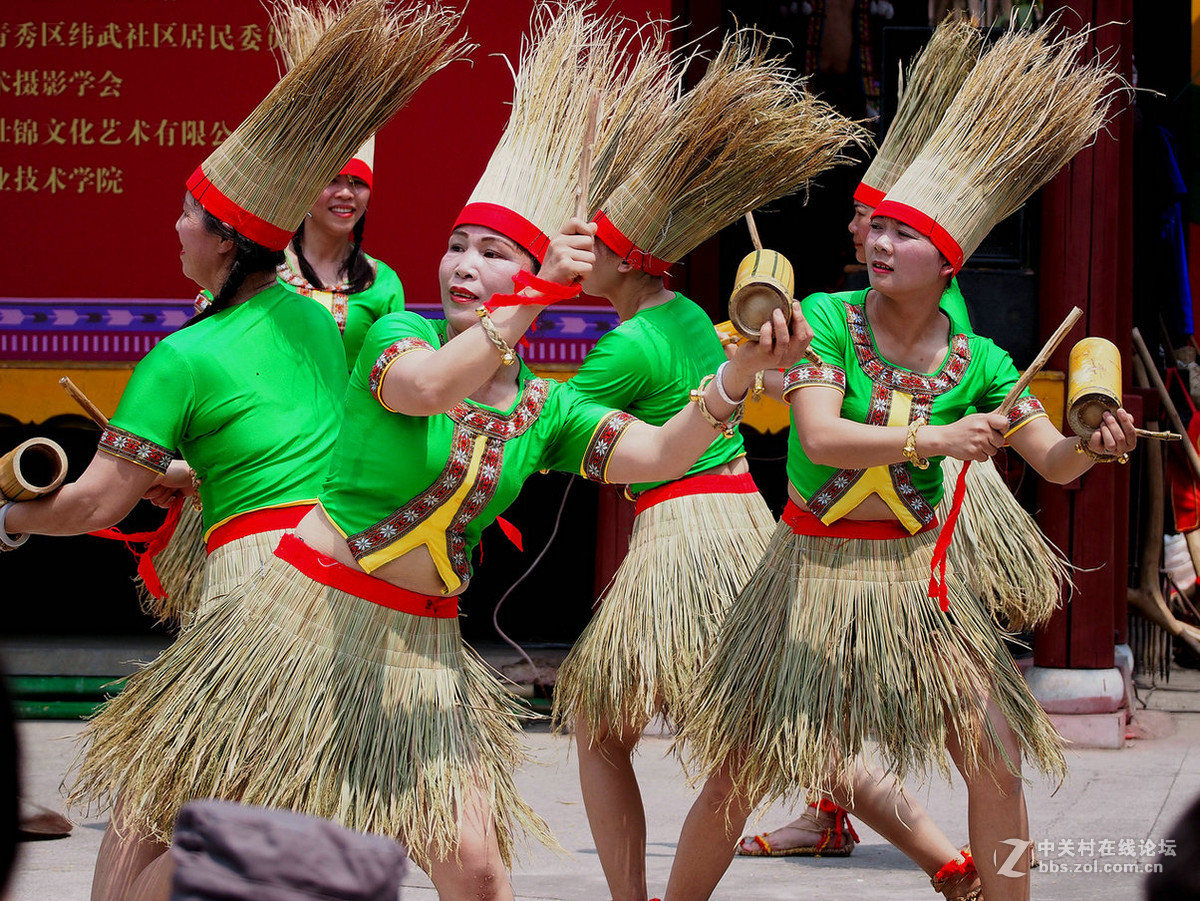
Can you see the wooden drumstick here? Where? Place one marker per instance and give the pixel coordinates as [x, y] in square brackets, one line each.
[585, 158]
[754, 238]
[1039, 361]
[82, 399]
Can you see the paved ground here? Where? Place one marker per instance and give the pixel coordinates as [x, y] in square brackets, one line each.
[1115, 800]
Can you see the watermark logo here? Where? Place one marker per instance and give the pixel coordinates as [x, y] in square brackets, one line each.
[1083, 855]
[1020, 849]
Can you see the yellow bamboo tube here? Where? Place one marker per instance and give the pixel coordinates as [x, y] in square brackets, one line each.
[31, 469]
[1093, 384]
[765, 282]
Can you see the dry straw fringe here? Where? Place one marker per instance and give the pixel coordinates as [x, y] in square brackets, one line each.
[1001, 552]
[303, 697]
[834, 651]
[571, 54]
[369, 62]
[1025, 110]
[658, 620]
[298, 26]
[933, 79]
[746, 134]
[181, 568]
[195, 580]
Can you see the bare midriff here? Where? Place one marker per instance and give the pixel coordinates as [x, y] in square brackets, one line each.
[414, 570]
[871, 509]
[732, 468]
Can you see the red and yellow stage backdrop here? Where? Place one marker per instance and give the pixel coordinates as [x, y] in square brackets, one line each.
[105, 109]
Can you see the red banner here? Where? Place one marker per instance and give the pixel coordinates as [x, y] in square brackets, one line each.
[108, 107]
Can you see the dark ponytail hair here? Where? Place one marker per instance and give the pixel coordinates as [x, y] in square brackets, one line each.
[250, 257]
[359, 273]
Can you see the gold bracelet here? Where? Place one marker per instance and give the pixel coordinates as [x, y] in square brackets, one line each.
[910, 445]
[507, 355]
[757, 391]
[727, 429]
[1081, 447]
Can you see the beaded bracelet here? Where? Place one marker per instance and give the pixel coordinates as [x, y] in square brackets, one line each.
[1081, 447]
[910, 445]
[507, 355]
[727, 429]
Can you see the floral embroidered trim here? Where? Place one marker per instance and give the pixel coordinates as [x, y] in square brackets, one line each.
[486, 481]
[883, 373]
[129, 446]
[338, 302]
[833, 490]
[504, 426]
[1024, 409]
[390, 356]
[286, 273]
[902, 473]
[812, 374]
[603, 443]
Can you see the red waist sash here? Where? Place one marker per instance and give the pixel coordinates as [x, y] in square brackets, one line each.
[805, 523]
[269, 520]
[741, 483]
[327, 571]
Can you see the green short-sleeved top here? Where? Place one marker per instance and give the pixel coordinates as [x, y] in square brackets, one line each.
[649, 363]
[976, 374]
[398, 482]
[353, 313]
[252, 396]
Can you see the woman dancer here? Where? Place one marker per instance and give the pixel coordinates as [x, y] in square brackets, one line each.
[695, 539]
[325, 259]
[1009, 560]
[874, 656]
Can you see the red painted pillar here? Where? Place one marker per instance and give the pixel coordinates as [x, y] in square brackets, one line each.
[1087, 262]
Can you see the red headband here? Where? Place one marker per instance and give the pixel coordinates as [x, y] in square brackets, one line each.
[911, 216]
[244, 222]
[864, 193]
[509, 223]
[616, 241]
[359, 169]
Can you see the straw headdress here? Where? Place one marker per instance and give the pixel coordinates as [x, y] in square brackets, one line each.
[934, 77]
[746, 134]
[527, 190]
[267, 174]
[298, 28]
[1025, 110]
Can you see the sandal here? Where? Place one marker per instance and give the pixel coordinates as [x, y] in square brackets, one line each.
[837, 839]
[958, 880]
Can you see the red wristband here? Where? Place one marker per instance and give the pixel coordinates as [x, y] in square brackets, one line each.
[551, 292]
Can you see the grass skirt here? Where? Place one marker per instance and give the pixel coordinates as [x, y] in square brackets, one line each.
[1000, 550]
[834, 643]
[295, 695]
[657, 623]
